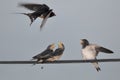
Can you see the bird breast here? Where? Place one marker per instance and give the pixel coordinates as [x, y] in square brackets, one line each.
[89, 52]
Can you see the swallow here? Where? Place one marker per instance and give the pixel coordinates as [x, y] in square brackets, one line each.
[90, 51]
[57, 53]
[45, 54]
[39, 10]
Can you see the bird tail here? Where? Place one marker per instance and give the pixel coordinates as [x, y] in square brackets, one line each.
[96, 66]
[32, 60]
[32, 18]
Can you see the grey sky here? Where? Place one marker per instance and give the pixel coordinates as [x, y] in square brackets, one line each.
[95, 20]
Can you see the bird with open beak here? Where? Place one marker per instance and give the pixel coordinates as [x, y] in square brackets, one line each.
[57, 53]
[90, 51]
[43, 56]
[40, 10]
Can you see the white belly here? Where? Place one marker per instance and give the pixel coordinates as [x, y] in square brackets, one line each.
[88, 54]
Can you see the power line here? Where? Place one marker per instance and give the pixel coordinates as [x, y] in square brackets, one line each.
[60, 61]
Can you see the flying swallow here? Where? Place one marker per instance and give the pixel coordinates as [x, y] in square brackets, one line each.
[57, 53]
[45, 54]
[40, 10]
[90, 51]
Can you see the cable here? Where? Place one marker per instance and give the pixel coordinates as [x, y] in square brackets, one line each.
[60, 61]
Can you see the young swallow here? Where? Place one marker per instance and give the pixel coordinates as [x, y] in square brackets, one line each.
[39, 10]
[45, 54]
[57, 53]
[90, 51]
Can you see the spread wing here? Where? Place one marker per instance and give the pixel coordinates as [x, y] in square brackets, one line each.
[102, 49]
[45, 19]
[34, 7]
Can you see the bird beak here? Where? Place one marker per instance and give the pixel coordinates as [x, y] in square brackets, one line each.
[81, 42]
[55, 15]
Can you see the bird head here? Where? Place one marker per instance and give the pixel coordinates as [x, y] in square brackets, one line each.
[84, 42]
[60, 45]
[52, 14]
[51, 46]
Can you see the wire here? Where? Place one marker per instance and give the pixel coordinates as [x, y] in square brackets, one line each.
[60, 61]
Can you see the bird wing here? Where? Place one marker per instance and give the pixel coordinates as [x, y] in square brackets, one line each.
[44, 54]
[45, 19]
[102, 49]
[34, 7]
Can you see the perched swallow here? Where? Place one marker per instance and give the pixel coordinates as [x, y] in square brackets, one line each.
[57, 53]
[40, 10]
[90, 51]
[45, 54]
